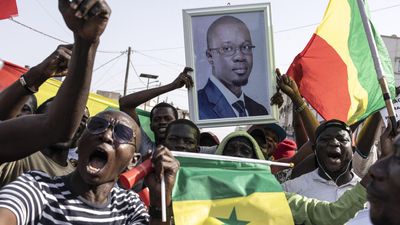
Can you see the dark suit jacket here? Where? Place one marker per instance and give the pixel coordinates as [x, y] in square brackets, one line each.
[213, 104]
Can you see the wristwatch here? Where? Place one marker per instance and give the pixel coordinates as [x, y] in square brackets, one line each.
[25, 85]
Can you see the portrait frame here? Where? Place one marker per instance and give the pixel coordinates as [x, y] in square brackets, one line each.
[257, 18]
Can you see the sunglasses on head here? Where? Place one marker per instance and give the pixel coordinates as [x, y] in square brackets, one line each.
[121, 133]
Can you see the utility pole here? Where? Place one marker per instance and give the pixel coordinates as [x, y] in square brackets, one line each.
[127, 70]
[158, 97]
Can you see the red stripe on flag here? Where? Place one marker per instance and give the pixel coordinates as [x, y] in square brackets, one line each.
[8, 8]
[322, 78]
[9, 74]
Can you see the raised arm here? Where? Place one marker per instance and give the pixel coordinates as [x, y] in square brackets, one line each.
[164, 165]
[13, 98]
[24, 135]
[289, 87]
[129, 103]
[369, 134]
[299, 131]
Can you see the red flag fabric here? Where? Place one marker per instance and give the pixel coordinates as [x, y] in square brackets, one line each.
[8, 8]
[336, 72]
[10, 73]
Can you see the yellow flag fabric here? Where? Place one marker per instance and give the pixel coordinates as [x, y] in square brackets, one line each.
[255, 209]
[96, 103]
[212, 189]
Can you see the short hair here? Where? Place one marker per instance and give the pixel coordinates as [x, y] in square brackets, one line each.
[43, 107]
[331, 123]
[164, 105]
[185, 122]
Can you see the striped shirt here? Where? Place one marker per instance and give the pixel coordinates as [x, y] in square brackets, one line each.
[36, 198]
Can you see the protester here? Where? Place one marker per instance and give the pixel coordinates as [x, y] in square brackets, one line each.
[334, 176]
[310, 122]
[230, 54]
[129, 103]
[334, 152]
[29, 106]
[16, 100]
[383, 191]
[161, 114]
[208, 139]
[53, 159]
[182, 135]
[240, 144]
[267, 136]
[304, 210]
[25, 135]
[89, 194]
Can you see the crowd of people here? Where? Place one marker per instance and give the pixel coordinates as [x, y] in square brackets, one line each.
[342, 174]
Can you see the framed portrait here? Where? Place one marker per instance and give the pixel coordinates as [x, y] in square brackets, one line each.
[230, 49]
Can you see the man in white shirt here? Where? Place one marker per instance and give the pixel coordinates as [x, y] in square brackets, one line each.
[334, 176]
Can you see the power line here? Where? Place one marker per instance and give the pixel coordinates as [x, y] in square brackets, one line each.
[38, 31]
[106, 75]
[155, 58]
[384, 8]
[314, 24]
[136, 73]
[109, 61]
[49, 14]
[159, 49]
[296, 28]
[111, 52]
[55, 38]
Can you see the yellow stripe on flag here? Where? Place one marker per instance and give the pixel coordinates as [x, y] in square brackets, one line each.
[335, 29]
[96, 103]
[269, 208]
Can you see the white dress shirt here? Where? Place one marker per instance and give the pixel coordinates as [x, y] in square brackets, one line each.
[229, 96]
[312, 185]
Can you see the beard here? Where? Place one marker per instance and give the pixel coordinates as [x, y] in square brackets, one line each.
[241, 82]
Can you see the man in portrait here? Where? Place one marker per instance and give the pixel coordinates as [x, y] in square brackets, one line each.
[230, 54]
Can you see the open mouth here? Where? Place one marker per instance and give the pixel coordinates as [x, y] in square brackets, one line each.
[97, 160]
[162, 129]
[334, 154]
[335, 157]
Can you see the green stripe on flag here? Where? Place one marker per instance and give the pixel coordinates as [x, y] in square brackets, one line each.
[362, 58]
[206, 179]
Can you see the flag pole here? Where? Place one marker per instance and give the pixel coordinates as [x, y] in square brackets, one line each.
[229, 158]
[377, 63]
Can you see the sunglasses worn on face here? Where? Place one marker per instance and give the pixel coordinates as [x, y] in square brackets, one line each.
[121, 133]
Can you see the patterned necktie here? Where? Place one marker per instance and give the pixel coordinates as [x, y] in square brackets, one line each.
[239, 106]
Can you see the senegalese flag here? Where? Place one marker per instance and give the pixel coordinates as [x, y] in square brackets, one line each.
[335, 72]
[213, 190]
[10, 72]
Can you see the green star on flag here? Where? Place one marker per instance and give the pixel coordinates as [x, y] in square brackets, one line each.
[255, 196]
[232, 220]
